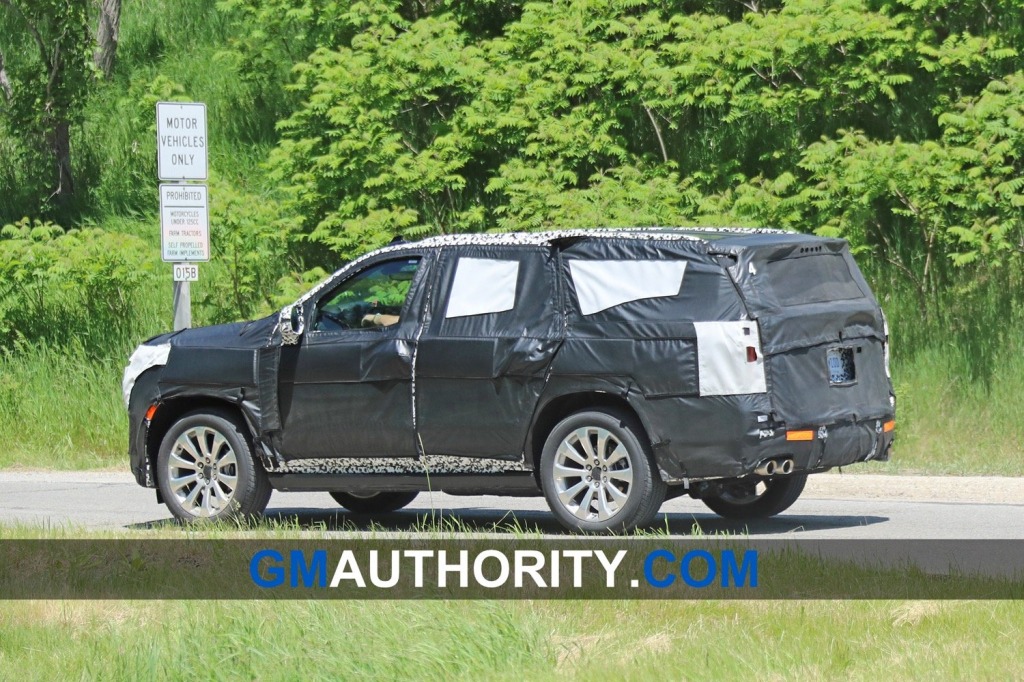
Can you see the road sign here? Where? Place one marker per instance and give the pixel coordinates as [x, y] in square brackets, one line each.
[184, 223]
[185, 272]
[181, 140]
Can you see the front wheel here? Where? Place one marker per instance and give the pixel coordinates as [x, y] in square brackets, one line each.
[597, 474]
[757, 499]
[373, 503]
[206, 470]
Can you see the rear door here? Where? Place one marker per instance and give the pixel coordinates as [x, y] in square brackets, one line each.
[481, 360]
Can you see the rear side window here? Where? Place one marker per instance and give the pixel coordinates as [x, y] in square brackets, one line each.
[483, 286]
[812, 279]
[603, 284]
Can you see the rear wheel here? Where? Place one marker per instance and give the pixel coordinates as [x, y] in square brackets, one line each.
[757, 499]
[597, 474]
[206, 470]
[373, 503]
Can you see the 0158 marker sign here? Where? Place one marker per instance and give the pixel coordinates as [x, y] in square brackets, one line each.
[185, 272]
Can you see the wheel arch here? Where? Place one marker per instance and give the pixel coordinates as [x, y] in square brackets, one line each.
[558, 408]
[170, 411]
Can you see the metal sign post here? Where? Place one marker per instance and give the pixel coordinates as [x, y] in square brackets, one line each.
[184, 209]
[182, 306]
[183, 274]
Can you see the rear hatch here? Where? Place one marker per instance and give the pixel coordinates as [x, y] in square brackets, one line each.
[823, 335]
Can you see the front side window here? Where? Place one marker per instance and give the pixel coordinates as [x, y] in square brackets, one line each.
[372, 299]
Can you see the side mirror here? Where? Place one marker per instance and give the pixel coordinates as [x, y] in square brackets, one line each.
[291, 324]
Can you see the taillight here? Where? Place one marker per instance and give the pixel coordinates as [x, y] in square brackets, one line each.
[751, 354]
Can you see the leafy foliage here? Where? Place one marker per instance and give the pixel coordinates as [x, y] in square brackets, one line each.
[76, 288]
[896, 125]
[335, 125]
[842, 117]
[250, 254]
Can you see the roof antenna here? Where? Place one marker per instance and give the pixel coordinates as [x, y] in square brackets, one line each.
[399, 239]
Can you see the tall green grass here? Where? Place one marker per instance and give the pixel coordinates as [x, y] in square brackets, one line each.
[707, 640]
[61, 409]
[62, 357]
[958, 370]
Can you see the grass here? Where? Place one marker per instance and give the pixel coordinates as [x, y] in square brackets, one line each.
[61, 410]
[949, 425]
[957, 373]
[505, 640]
[502, 640]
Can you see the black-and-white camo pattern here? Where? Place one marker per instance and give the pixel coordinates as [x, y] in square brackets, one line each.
[289, 336]
[427, 464]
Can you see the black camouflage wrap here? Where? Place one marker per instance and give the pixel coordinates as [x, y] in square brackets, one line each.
[465, 395]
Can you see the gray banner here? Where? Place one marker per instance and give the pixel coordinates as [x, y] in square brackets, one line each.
[511, 568]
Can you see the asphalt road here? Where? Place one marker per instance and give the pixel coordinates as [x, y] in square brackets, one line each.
[833, 506]
[854, 508]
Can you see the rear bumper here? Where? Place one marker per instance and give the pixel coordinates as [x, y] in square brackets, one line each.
[842, 444]
[727, 437]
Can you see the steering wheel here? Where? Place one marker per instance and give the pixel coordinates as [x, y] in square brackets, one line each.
[335, 319]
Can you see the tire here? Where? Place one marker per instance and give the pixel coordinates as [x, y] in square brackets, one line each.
[374, 503]
[627, 492]
[743, 500]
[200, 457]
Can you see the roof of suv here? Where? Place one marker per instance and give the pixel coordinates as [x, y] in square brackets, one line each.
[704, 234]
[723, 236]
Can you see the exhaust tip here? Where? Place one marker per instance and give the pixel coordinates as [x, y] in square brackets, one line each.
[786, 466]
[766, 468]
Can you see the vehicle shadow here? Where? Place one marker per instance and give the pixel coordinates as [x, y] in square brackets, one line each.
[486, 520]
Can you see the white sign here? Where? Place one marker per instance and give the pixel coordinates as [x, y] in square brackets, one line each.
[186, 272]
[184, 223]
[181, 140]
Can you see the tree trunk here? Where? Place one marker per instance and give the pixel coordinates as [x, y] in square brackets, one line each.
[5, 81]
[60, 142]
[107, 35]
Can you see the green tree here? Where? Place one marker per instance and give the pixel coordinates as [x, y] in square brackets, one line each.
[46, 64]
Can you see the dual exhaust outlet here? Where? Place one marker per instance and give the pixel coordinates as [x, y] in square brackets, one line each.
[778, 466]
